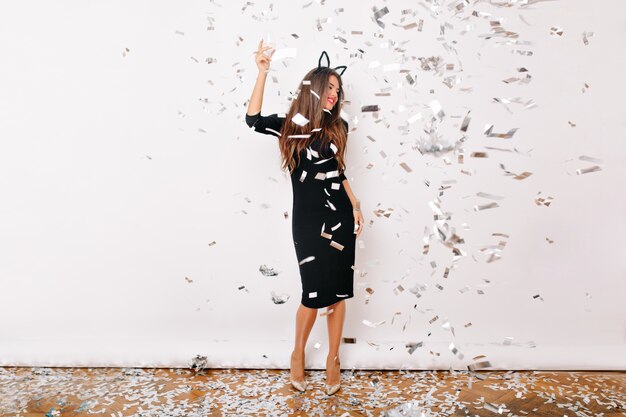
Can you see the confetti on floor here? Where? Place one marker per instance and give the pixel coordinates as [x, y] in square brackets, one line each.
[235, 392]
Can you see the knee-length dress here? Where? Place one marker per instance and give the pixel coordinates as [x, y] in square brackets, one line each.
[322, 220]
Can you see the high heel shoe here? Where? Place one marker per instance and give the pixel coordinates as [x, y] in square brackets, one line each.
[299, 385]
[331, 389]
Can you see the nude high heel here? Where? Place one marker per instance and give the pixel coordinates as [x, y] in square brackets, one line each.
[299, 385]
[331, 389]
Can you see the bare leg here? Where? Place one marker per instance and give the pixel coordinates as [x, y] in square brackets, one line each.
[305, 318]
[335, 328]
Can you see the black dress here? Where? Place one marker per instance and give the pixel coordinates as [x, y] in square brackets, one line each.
[322, 221]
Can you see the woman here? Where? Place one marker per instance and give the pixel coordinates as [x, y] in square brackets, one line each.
[312, 140]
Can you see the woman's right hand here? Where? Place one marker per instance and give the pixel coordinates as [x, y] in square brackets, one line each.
[262, 60]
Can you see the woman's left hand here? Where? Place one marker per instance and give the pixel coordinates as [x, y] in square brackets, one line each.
[358, 221]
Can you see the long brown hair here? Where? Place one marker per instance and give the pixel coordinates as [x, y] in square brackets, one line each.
[312, 107]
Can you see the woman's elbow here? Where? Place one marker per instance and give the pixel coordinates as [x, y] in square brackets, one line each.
[249, 120]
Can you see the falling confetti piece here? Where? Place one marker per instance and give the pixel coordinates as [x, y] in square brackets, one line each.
[413, 345]
[279, 298]
[556, 31]
[594, 168]
[455, 351]
[284, 53]
[488, 132]
[523, 175]
[307, 259]
[385, 213]
[300, 120]
[336, 245]
[543, 201]
[486, 206]
[586, 36]
[372, 325]
[590, 159]
[478, 155]
[267, 271]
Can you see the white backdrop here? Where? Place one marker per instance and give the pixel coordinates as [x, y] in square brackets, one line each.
[137, 207]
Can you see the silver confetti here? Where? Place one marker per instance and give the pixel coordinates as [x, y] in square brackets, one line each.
[267, 271]
[307, 259]
[279, 298]
[198, 363]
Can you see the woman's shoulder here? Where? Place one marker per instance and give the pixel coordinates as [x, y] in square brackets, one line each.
[270, 124]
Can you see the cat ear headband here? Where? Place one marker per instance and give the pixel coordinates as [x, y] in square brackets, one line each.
[340, 67]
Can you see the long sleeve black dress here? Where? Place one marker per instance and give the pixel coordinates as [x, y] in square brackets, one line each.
[322, 221]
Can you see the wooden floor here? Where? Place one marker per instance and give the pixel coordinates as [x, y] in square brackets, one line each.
[228, 392]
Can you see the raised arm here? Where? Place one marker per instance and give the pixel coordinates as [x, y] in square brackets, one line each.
[263, 64]
[271, 124]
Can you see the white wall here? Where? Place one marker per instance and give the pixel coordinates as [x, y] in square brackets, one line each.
[117, 172]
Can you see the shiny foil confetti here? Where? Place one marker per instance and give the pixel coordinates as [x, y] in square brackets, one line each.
[279, 298]
[455, 351]
[326, 235]
[412, 346]
[336, 245]
[307, 259]
[555, 30]
[590, 159]
[541, 201]
[267, 271]
[300, 120]
[523, 175]
[485, 206]
[594, 168]
[267, 392]
[372, 325]
[198, 363]
[489, 133]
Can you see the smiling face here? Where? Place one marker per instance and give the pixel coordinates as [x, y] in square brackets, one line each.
[331, 94]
